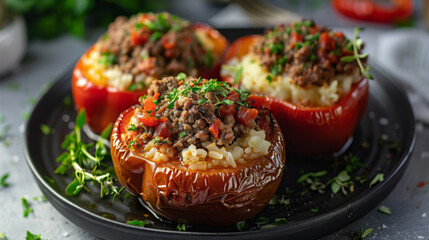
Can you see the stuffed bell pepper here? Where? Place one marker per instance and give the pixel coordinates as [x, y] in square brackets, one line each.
[119, 67]
[315, 80]
[199, 151]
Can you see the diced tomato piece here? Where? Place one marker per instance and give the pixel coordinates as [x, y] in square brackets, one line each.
[296, 37]
[245, 115]
[163, 130]
[167, 42]
[234, 96]
[214, 128]
[338, 34]
[149, 121]
[326, 42]
[258, 102]
[138, 39]
[156, 96]
[226, 110]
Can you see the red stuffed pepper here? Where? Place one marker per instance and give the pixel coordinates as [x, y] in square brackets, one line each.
[312, 79]
[117, 69]
[199, 150]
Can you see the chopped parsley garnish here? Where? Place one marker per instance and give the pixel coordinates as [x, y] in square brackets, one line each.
[361, 234]
[131, 144]
[384, 209]
[209, 59]
[132, 127]
[3, 236]
[277, 222]
[27, 207]
[242, 226]
[238, 75]
[32, 236]
[137, 223]
[378, 178]
[45, 129]
[181, 226]
[202, 101]
[3, 180]
[182, 134]
[181, 76]
[155, 36]
[225, 102]
[136, 85]
[107, 58]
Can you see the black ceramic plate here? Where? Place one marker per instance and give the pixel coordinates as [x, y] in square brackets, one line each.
[383, 142]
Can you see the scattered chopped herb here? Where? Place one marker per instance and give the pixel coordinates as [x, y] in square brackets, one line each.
[360, 234]
[3, 236]
[384, 209]
[50, 180]
[107, 58]
[238, 74]
[87, 167]
[304, 177]
[314, 210]
[3, 180]
[181, 226]
[27, 207]
[225, 102]
[277, 222]
[181, 76]
[32, 101]
[25, 115]
[279, 200]
[209, 59]
[356, 44]
[155, 36]
[242, 226]
[45, 129]
[378, 178]
[131, 144]
[182, 134]
[31, 236]
[202, 101]
[132, 127]
[137, 223]
[341, 182]
[13, 86]
[354, 163]
[262, 220]
[269, 78]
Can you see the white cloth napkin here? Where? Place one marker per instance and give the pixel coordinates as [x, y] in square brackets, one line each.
[405, 54]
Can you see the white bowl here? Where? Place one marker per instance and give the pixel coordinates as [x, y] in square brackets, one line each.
[13, 39]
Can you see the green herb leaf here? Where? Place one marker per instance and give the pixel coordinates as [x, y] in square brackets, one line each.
[361, 235]
[242, 226]
[107, 58]
[181, 76]
[3, 180]
[277, 222]
[45, 129]
[137, 223]
[3, 236]
[262, 220]
[335, 187]
[131, 144]
[384, 209]
[343, 176]
[182, 134]
[31, 236]
[304, 177]
[238, 75]
[350, 58]
[133, 128]
[181, 226]
[378, 178]
[27, 207]
[80, 119]
[74, 187]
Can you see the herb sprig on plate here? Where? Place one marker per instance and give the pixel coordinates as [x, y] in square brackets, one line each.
[87, 167]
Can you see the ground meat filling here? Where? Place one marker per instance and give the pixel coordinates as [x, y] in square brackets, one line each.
[153, 44]
[308, 53]
[188, 111]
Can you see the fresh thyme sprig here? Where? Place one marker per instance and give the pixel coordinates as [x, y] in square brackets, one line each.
[86, 166]
[356, 45]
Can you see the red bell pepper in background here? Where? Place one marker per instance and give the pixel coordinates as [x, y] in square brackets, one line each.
[104, 104]
[310, 130]
[368, 10]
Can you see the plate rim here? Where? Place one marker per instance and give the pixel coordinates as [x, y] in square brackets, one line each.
[373, 193]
